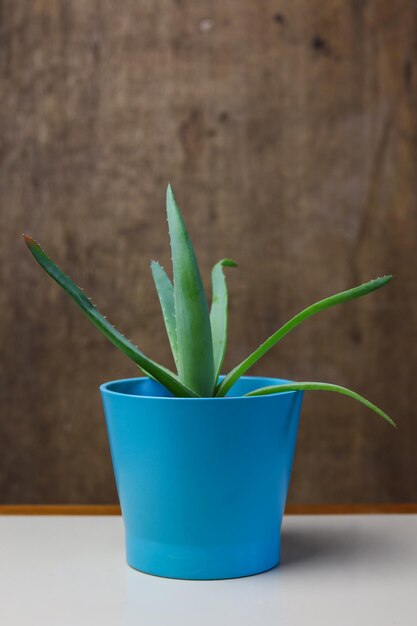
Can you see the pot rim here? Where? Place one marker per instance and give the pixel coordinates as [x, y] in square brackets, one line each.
[106, 388]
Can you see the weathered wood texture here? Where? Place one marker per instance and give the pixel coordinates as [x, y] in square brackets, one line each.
[288, 130]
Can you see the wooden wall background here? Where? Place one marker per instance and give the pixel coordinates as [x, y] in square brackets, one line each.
[288, 129]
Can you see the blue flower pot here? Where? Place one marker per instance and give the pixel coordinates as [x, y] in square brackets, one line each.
[202, 482]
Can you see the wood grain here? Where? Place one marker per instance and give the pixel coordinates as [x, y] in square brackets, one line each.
[291, 509]
[289, 133]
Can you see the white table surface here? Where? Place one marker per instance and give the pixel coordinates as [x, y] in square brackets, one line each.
[335, 570]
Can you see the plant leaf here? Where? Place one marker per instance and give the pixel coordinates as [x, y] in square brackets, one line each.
[195, 348]
[321, 387]
[165, 291]
[338, 298]
[219, 313]
[160, 373]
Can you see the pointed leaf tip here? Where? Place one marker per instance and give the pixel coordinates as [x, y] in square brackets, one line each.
[343, 296]
[219, 313]
[165, 292]
[153, 369]
[228, 263]
[169, 192]
[195, 349]
[315, 386]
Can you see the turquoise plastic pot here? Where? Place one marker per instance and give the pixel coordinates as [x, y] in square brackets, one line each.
[202, 482]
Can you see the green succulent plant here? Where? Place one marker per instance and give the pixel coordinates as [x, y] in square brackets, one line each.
[197, 334]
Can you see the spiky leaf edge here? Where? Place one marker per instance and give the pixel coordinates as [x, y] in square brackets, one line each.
[195, 348]
[219, 313]
[165, 290]
[160, 373]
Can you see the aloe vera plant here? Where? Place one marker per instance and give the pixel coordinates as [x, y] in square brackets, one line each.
[198, 334]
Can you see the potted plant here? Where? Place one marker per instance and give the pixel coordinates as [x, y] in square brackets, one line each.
[202, 461]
